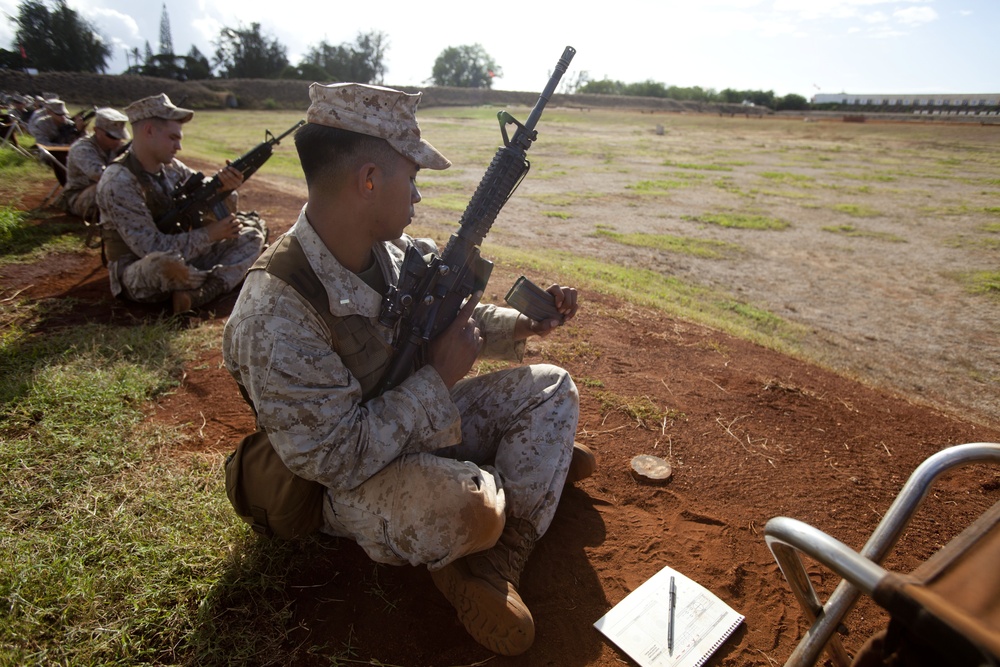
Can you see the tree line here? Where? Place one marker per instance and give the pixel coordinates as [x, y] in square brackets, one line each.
[54, 37]
[761, 98]
[57, 38]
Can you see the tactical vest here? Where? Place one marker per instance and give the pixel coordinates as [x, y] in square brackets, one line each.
[158, 200]
[264, 492]
[355, 338]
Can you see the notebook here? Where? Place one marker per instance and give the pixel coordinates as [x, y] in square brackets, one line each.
[639, 623]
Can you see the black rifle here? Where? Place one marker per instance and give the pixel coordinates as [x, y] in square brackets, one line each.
[198, 194]
[69, 132]
[430, 292]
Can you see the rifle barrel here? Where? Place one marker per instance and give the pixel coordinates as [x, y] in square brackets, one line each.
[550, 88]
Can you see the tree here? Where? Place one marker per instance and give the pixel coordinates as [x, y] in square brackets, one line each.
[465, 67]
[361, 62]
[197, 66]
[58, 39]
[792, 102]
[247, 54]
[602, 87]
[166, 41]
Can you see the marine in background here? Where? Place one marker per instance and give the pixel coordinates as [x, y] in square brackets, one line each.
[87, 159]
[189, 268]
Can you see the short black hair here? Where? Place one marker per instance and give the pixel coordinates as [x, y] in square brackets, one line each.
[330, 152]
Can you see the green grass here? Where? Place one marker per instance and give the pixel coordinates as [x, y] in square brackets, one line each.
[115, 547]
[639, 409]
[656, 187]
[982, 282]
[24, 239]
[699, 167]
[455, 202]
[679, 244]
[662, 292]
[740, 221]
[17, 174]
[856, 210]
[855, 232]
[788, 178]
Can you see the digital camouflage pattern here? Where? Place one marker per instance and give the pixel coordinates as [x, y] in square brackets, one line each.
[157, 106]
[46, 129]
[156, 264]
[378, 112]
[112, 122]
[85, 163]
[420, 474]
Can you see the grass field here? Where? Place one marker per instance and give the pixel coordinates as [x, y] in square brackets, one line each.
[115, 554]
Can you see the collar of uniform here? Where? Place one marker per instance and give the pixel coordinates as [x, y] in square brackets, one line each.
[346, 292]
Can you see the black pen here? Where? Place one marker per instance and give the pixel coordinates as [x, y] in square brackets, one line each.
[670, 619]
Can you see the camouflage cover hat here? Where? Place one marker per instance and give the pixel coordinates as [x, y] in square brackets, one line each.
[58, 107]
[378, 112]
[112, 122]
[157, 106]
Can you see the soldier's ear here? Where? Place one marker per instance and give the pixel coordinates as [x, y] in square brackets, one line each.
[366, 179]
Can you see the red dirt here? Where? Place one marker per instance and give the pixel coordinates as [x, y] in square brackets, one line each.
[752, 435]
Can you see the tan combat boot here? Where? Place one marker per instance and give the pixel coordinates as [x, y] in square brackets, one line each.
[189, 299]
[582, 465]
[483, 589]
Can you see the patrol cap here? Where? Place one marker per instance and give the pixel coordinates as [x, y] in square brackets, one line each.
[112, 122]
[378, 112]
[58, 107]
[157, 106]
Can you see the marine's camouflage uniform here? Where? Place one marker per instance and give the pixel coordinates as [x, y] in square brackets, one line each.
[418, 474]
[46, 129]
[85, 163]
[142, 273]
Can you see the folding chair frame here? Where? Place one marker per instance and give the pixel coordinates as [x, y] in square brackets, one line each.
[49, 159]
[860, 571]
[15, 128]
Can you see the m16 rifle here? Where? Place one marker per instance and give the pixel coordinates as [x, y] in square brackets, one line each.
[429, 294]
[198, 194]
[71, 131]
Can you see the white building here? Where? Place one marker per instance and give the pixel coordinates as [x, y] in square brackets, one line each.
[914, 100]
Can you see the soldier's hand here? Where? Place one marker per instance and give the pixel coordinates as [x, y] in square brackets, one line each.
[230, 177]
[455, 349]
[565, 302]
[221, 230]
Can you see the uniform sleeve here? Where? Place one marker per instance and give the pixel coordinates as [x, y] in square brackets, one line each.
[84, 164]
[497, 326]
[123, 207]
[310, 404]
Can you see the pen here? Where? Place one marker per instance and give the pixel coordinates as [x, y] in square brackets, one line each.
[672, 602]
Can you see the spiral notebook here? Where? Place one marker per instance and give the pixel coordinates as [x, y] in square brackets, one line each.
[639, 624]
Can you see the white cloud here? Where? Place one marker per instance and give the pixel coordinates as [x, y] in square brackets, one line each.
[875, 17]
[915, 15]
[113, 23]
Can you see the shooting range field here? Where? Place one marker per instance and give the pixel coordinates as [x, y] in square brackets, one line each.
[793, 313]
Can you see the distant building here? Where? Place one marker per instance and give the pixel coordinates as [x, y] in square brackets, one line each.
[969, 102]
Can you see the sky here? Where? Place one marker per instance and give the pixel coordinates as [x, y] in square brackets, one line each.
[786, 46]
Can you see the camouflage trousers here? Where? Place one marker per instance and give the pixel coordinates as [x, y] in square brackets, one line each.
[518, 427]
[83, 204]
[155, 277]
